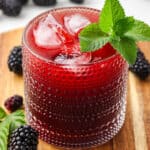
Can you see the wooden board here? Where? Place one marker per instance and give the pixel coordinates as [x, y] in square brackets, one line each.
[135, 134]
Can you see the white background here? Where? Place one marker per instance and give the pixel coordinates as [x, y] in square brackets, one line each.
[140, 9]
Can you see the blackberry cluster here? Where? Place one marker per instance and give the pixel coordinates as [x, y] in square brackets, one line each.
[15, 60]
[141, 67]
[1, 4]
[12, 7]
[77, 1]
[13, 103]
[44, 2]
[24, 2]
[23, 138]
[53, 2]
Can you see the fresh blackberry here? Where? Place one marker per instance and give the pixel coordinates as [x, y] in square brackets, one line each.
[77, 1]
[44, 2]
[23, 138]
[12, 7]
[13, 103]
[23, 2]
[141, 67]
[1, 4]
[15, 60]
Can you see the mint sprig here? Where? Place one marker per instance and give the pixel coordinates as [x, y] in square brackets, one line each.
[111, 13]
[4, 133]
[2, 113]
[115, 27]
[8, 124]
[139, 32]
[16, 119]
[89, 41]
[123, 25]
[126, 47]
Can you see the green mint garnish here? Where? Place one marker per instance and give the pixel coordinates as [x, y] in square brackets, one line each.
[2, 113]
[120, 31]
[91, 42]
[8, 124]
[139, 32]
[123, 25]
[111, 13]
[4, 133]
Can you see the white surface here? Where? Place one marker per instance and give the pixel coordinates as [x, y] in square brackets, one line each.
[140, 9]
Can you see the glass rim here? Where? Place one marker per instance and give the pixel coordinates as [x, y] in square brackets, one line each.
[27, 45]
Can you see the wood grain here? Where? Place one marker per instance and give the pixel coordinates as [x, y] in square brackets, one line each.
[135, 134]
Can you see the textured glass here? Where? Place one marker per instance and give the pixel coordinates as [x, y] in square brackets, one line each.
[75, 106]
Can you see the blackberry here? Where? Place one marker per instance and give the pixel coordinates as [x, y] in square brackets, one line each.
[15, 60]
[77, 1]
[14, 102]
[23, 2]
[44, 2]
[12, 7]
[23, 138]
[1, 4]
[141, 67]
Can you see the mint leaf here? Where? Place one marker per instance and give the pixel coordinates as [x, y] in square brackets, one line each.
[123, 25]
[139, 32]
[10, 123]
[127, 48]
[110, 14]
[17, 119]
[2, 113]
[4, 133]
[92, 38]
[114, 27]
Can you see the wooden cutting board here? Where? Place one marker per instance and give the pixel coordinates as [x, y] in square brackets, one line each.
[135, 134]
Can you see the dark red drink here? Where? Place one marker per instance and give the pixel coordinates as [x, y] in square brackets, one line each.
[73, 99]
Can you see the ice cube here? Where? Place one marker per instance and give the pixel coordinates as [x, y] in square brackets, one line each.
[75, 23]
[62, 33]
[46, 37]
[73, 59]
[46, 33]
[51, 20]
[72, 55]
[83, 58]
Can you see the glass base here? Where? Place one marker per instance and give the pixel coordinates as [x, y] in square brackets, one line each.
[108, 132]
